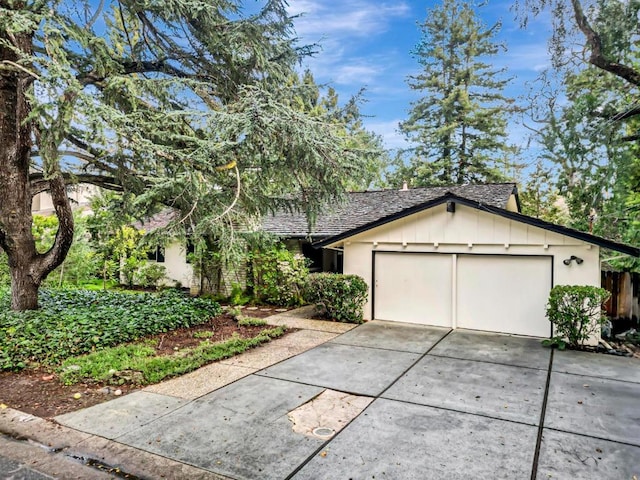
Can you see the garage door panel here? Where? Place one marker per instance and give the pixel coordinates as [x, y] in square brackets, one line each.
[503, 293]
[413, 288]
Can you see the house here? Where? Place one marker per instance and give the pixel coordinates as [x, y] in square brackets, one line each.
[456, 257]
[462, 257]
[362, 208]
[79, 195]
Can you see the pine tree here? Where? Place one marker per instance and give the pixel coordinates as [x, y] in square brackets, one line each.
[459, 125]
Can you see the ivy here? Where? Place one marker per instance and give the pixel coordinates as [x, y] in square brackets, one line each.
[72, 322]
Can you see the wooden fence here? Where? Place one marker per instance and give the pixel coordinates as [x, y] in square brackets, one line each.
[625, 292]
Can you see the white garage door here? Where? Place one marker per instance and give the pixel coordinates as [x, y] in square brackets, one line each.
[496, 293]
[504, 293]
[413, 288]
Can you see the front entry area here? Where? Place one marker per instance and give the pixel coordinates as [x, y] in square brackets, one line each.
[496, 293]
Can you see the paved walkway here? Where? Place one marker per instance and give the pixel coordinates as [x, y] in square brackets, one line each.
[384, 400]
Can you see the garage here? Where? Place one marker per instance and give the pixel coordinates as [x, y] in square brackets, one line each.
[413, 288]
[465, 258]
[498, 293]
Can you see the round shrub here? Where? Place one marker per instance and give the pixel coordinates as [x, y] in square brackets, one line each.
[337, 296]
[576, 313]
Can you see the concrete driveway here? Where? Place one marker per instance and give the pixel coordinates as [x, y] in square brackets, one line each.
[399, 401]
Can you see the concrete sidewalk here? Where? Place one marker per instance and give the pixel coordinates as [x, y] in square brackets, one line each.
[384, 400]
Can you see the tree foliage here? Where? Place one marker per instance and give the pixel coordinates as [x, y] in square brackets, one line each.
[459, 126]
[184, 103]
[592, 138]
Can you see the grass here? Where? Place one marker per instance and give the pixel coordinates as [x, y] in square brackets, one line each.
[107, 365]
[251, 322]
[73, 322]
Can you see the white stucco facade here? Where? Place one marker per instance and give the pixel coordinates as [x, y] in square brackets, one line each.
[178, 271]
[465, 265]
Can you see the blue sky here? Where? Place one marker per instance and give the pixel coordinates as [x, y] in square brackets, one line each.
[366, 43]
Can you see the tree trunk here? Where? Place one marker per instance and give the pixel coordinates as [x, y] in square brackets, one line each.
[28, 267]
[24, 290]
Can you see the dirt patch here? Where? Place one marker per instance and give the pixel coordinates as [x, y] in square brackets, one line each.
[38, 391]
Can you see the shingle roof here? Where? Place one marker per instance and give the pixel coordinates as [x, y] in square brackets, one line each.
[517, 216]
[157, 221]
[362, 208]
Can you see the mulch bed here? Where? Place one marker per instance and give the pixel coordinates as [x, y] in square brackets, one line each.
[38, 392]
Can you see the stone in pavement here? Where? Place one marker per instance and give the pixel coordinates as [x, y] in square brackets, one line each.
[330, 410]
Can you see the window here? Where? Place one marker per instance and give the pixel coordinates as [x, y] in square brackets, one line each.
[191, 249]
[156, 255]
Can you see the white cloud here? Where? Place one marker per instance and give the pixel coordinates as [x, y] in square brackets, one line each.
[389, 132]
[533, 57]
[354, 18]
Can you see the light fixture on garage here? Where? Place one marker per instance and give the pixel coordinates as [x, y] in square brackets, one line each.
[567, 261]
[451, 207]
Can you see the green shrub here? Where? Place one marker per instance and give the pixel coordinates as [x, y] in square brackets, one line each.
[238, 295]
[337, 296]
[149, 274]
[576, 313]
[279, 276]
[72, 322]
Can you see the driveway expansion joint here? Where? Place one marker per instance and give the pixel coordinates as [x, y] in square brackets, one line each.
[439, 355]
[536, 455]
[595, 437]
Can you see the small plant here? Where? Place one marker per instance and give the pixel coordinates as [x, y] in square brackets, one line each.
[238, 295]
[251, 322]
[279, 276]
[235, 312]
[203, 334]
[149, 274]
[337, 296]
[576, 314]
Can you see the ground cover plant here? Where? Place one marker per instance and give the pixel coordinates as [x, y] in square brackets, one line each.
[72, 322]
[40, 390]
[139, 364]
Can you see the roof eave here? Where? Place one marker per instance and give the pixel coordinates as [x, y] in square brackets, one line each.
[536, 222]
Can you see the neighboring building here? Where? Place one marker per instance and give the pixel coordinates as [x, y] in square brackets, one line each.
[80, 196]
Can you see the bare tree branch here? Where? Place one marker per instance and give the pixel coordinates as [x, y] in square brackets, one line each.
[597, 56]
[49, 260]
[40, 184]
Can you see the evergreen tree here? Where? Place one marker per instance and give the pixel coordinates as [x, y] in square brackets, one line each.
[320, 100]
[459, 125]
[539, 196]
[181, 102]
